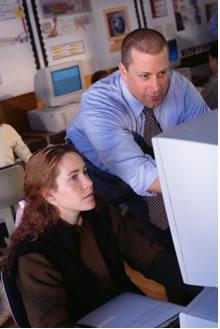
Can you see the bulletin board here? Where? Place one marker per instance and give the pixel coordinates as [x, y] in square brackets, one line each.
[187, 20]
[61, 31]
[17, 65]
[66, 28]
[114, 19]
[88, 30]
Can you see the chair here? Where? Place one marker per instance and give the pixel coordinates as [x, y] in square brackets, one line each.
[11, 191]
[15, 301]
[186, 71]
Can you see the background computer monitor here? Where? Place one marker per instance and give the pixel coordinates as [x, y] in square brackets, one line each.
[173, 53]
[59, 85]
[187, 163]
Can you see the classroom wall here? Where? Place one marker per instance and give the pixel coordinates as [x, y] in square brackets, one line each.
[17, 64]
[83, 33]
[191, 27]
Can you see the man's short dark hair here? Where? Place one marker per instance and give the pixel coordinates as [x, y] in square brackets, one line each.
[144, 40]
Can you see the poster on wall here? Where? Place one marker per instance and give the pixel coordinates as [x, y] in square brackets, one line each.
[13, 26]
[64, 24]
[51, 8]
[117, 26]
[65, 16]
[68, 49]
[210, 9]
[158, 8]
[187, 14]
[192, 19]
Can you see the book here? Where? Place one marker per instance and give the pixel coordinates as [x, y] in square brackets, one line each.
[131, 310]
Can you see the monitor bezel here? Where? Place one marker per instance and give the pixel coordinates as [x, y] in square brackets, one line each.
[49, 96]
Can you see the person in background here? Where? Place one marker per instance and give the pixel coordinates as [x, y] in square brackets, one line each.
[110, 128]
[98, 75]
[11, 144]
[210, 90]
[213, 21]
[66, 256]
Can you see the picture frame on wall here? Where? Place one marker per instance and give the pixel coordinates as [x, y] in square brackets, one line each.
[117, 25]
[158, 8]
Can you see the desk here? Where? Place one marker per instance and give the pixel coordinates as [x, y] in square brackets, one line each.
[38, 139]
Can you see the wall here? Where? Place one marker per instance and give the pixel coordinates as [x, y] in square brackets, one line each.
[86, 30]
[17, 64]
[83, 34]
[193, 29]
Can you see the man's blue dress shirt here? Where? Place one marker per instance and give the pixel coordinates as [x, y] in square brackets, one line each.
[109, 116]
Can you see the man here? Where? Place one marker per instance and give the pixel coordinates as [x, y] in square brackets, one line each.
[109, 129]
[210, 90]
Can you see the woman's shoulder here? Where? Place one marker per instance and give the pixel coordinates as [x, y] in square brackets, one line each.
[8, 130]
[6, 126]
[33, 260]
[34, 268]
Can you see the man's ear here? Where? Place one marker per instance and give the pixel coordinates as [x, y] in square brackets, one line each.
[123, 71]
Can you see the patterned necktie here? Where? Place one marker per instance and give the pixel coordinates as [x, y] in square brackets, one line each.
[156, 209]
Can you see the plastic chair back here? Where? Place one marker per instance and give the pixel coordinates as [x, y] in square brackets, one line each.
[15, 301]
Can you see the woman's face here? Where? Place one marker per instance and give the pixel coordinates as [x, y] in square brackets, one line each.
[74, 192]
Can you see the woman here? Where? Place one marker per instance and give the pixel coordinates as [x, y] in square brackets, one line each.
[67, 253]
[11, 144]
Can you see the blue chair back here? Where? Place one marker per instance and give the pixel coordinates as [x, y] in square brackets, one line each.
[15, 301]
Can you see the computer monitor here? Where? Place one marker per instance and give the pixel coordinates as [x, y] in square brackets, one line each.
[173, 53]
[187, 163]
[59, 85]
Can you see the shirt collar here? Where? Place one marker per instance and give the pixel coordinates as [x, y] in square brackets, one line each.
[135, 105]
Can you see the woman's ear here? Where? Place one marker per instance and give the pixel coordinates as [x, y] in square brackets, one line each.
[48, 195]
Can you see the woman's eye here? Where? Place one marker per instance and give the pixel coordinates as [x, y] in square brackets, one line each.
[86, 172]
[73, 177]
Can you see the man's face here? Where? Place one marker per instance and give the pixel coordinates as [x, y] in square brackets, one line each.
[147, 77]
[213, 63]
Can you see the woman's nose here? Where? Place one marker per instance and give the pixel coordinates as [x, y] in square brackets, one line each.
[87, 182]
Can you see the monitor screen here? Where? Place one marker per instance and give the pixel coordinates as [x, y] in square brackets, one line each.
[173, 53]
[59, 85]
[66, 80]
[187, 162]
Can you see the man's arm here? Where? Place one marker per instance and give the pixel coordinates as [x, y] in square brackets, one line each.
[155, 187]
[118, 151]
[106, 130]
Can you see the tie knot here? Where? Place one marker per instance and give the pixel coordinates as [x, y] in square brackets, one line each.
[148, 112]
